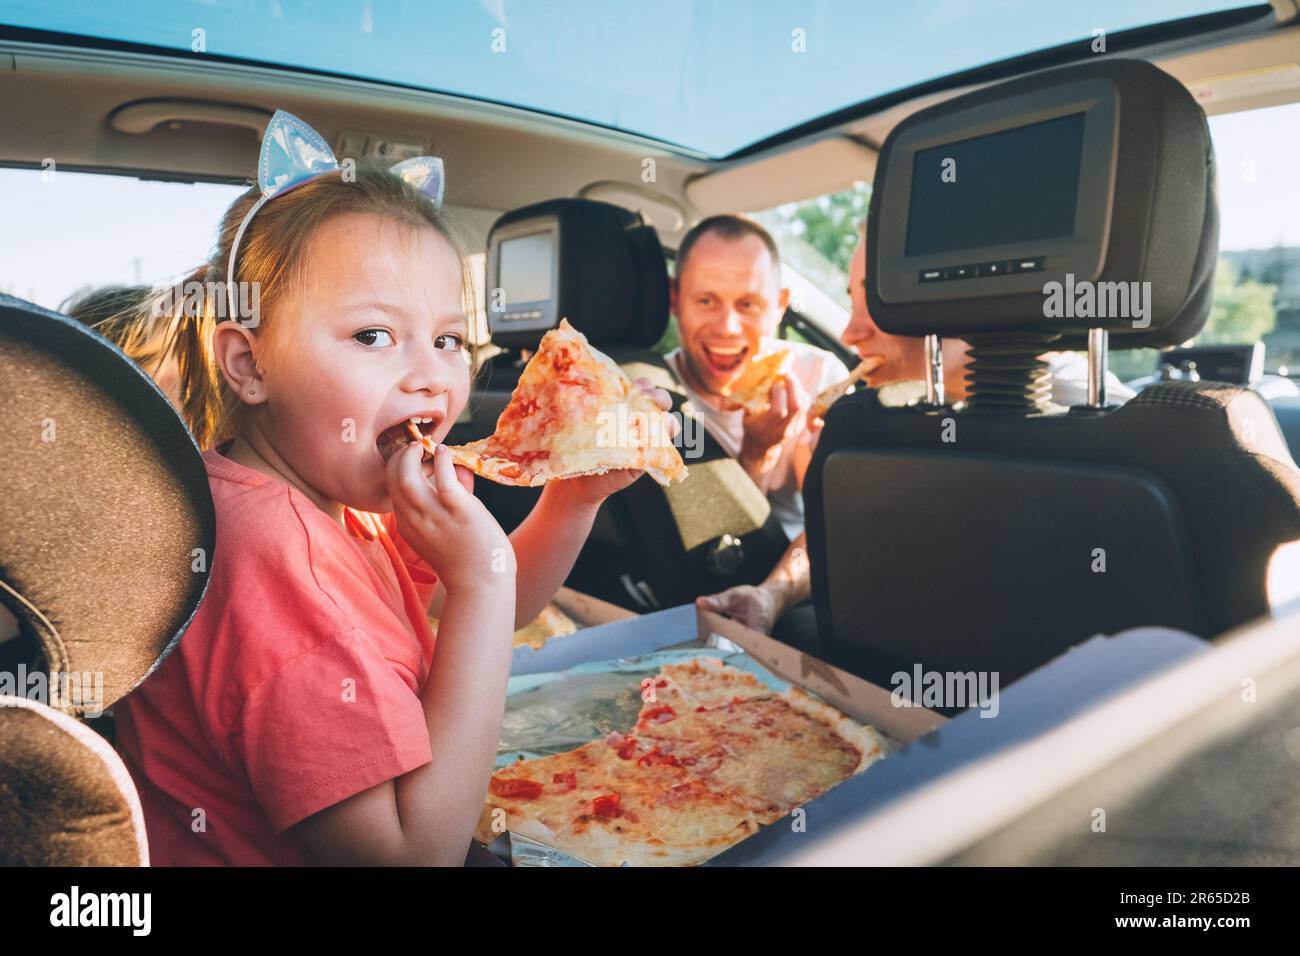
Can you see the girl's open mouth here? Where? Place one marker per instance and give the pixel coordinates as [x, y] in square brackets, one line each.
[396, 437]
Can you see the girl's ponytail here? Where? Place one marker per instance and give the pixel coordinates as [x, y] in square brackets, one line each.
[191, 316]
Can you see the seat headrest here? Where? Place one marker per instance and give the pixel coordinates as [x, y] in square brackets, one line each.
[68, 800]
[612, 277]
[1120, 152]
[107, 527]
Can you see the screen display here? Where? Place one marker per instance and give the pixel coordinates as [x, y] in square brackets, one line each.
[525, 268]
[1015, 186]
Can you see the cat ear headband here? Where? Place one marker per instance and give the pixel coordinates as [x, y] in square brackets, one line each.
[293, 153]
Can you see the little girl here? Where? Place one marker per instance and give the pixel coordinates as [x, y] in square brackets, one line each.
[305, 717]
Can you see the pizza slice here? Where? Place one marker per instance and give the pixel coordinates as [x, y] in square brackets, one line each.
[574, 412]
[713, 758]
[552, 622]
[750, 389]
[829, 396]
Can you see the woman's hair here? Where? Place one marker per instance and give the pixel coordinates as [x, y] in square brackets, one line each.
[121, 314]
[270, 260]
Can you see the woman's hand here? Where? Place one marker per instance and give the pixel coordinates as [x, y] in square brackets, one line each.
[444, 523]
[754, 607]
[593, 489]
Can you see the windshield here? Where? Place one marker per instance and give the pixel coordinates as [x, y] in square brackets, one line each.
[712, 76]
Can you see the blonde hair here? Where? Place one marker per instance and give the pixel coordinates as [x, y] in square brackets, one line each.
[270, 257]
[122, 315]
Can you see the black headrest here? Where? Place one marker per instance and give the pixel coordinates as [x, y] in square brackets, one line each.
[1160, 226]
[613, 278]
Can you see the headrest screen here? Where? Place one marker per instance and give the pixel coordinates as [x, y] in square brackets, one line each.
[526, 267]
[961, 190]
[1098, 176]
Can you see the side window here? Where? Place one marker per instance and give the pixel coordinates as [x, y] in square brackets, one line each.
[1257, 281]
[817, 238]
[70, 232]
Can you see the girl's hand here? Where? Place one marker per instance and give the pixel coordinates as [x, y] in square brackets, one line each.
[445, 524]
[593, 489]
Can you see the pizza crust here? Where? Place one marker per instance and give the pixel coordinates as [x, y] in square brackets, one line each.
[869, 742]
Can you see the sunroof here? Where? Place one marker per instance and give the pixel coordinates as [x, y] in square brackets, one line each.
[712, 76]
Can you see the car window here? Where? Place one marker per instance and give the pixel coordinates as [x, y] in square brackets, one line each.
[1257, 281]
[817, 238]
[75, 231]
[71, 231]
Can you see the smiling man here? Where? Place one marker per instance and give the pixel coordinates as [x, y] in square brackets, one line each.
[728, 300]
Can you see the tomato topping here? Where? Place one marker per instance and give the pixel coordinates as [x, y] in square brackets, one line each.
[562, 360]
[567, 780]
[661, 682]
[655, 756]
[606, 805]
[526, 457]
[517, 789]
[627, 748]
[659, 714]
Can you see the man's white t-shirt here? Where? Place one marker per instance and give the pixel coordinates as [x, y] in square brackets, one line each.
[1069, 372]
[816, 369]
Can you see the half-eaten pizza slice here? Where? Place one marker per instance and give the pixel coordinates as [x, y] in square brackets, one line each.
[751, 388]
[832, 394]
[574, 412]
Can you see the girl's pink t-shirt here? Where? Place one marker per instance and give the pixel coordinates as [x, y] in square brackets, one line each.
[296, 685]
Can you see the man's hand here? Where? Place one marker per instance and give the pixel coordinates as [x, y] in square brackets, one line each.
[766, 431]
[754, 607]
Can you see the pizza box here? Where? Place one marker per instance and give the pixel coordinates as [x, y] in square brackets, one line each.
[1029, 708]
[628, 635]
[584, 610]
[620, 633]
[588, 611]
[902, 806]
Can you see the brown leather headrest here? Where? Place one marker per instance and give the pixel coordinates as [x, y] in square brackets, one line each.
[106, 520]
[69, 798]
